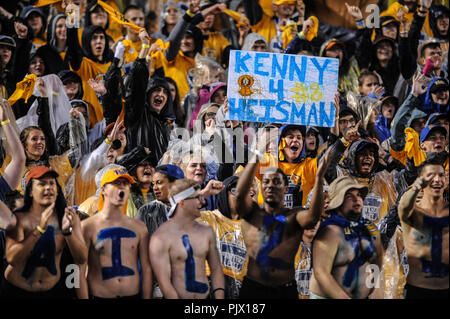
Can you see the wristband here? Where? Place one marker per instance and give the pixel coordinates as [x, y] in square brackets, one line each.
[108, 142]
[146, 46]
[5, 122]
[68, 233]
[189, 13]
[214, 291]
[344, 141]
[360, 23]
[40, 229]
[301, 35]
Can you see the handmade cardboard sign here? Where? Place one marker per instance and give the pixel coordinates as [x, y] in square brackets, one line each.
[282, 88]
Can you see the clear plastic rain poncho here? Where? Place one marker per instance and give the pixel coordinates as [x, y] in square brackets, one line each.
[58, 102]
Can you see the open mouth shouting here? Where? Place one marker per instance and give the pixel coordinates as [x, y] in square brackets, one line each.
[366, 164]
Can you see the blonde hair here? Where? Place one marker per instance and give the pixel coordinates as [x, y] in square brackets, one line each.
[180, 185]
[187, 157]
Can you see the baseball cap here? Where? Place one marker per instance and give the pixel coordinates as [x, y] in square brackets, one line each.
[110, 127]
[78, 102]
[29, 10]
[171, 170]
[38, 172]
[435, 117]
[67, 76]
[114, 174]
[109, 177]
[429, 129]
[8, 41]
[439, 84]
[383, 38]
[333, 43]
[281, 2]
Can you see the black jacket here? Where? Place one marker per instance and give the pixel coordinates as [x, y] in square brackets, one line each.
[144, 126]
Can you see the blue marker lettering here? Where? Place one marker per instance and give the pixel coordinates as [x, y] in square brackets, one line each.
[233, 110]
[279, 89]
[283, 111]
[293, 68]
[258, 64]
[240, 62]
[268, 104]
[189, 269]
[249, 114]
[320, 68]
[312, 113]
[281, 69]
[436, 268]
[298, 116]
[324, 118]
[115, 234]
[42, 255]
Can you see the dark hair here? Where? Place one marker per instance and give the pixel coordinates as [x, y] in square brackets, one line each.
[431, 160]
[177, 107]
[11, 198]
[431, 45]
[278, 171]
[161, 169]
[60, 203]
[365, 74]
[132, 7]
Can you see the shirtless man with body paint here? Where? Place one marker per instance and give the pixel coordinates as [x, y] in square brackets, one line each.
[272, 234]
[116, 243]
[180, 247]
[346, 247]
[425, 233]
[35, 246]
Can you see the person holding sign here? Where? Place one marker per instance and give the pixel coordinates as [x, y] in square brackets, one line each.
[180, 247]
[272, 233]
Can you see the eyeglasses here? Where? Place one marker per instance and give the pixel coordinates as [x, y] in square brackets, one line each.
[199, 197]
[345, 122]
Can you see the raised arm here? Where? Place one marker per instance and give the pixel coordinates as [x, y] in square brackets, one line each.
[408, 200]
[161, 266]
[135, 91]
[179, 30]
[74, 51]
[7, 219]
[309, 218]
[14, 171]
[71, 229]
[43, 113]
[78, 140]
[253, 11]
[403, 114]
[244, 202]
